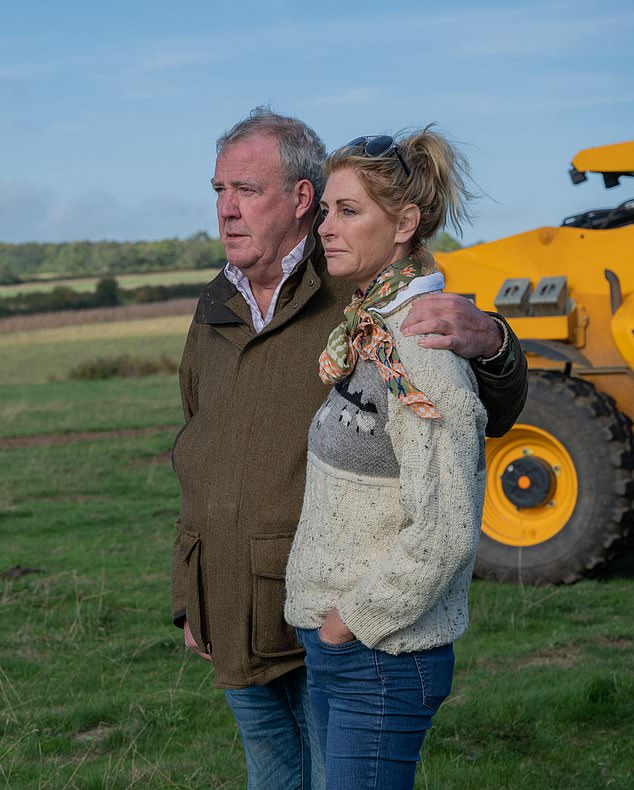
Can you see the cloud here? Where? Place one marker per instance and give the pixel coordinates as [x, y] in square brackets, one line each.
[353, 96]
[21, 205]
[165, 56]
[533, 30]
[30, 213]
[9, 86]
[484, 31]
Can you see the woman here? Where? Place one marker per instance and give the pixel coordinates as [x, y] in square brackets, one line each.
[378, 575]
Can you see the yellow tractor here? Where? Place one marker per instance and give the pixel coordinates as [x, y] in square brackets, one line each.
[560, 490]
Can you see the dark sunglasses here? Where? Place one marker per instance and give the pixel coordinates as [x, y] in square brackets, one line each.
[378, 145]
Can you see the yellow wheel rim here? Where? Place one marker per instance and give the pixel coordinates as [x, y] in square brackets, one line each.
[502, 520]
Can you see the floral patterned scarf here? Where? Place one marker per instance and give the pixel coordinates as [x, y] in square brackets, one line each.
[364, 334]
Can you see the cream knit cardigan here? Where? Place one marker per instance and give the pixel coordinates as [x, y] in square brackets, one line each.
[394, 554]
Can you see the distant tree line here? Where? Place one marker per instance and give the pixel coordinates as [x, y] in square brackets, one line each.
[23, 262]
[445, 242]
[107, 293]
[20, 263]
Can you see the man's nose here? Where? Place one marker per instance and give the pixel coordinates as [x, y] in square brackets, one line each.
[228, 205]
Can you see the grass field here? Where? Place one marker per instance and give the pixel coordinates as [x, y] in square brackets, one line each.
[95, 688]
[40, 355]
[125, 281]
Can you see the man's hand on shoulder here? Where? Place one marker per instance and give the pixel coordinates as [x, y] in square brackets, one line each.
[450, 321]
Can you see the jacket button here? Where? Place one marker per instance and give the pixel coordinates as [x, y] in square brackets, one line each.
[294, 305]
[311, 282]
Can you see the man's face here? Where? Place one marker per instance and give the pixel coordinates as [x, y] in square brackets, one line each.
[257, 217]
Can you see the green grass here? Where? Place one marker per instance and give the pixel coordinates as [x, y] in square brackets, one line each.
[126, 281]
[543, 691]
[70, 406]
[41, 355]
[96, 690]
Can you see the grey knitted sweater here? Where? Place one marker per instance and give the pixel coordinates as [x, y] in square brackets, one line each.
[392, 507]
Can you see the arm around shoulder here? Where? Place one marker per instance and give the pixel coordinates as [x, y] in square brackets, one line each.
[503, 382]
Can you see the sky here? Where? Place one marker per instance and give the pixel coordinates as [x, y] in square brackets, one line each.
[109, 112]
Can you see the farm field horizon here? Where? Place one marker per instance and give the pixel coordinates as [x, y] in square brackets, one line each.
[96, 689]
[88, 283]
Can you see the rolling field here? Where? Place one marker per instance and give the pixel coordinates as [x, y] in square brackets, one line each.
[96, 690]
[125, 281]
[39, 355]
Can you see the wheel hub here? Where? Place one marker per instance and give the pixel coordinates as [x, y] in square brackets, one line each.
[528, 482]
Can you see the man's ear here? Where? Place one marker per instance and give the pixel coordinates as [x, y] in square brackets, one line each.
[304, 193]
[407, 223]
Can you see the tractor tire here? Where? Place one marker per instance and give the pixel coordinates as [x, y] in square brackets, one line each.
[560, 486]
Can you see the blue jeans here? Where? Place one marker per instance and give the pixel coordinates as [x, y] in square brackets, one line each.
[373, 709]
[278, 734]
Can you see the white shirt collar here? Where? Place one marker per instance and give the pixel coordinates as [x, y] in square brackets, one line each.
[241, 282]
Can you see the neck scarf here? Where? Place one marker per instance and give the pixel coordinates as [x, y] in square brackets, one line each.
[364, 334]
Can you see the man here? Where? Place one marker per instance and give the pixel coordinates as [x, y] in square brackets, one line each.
[250, 388]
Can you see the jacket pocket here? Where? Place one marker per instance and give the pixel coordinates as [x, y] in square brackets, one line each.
[271, 635]
[195, 607]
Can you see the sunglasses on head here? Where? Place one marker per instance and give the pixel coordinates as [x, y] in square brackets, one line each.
[378, 145]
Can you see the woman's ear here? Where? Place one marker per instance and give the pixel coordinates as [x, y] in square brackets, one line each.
[407, 223]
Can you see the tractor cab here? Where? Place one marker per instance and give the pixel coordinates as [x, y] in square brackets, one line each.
[613, 162]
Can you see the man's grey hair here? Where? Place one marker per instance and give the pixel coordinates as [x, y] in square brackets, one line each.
[302, 153]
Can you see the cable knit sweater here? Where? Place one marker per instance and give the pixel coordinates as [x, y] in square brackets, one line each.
[392, 507]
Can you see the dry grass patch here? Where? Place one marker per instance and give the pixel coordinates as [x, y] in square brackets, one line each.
[40, 440]
[149, 327]
[94, 734]
[564, 658]
[97, 315]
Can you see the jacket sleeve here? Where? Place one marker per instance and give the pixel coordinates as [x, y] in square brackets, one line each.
[187, 377]
[503, 385]
[441, 493]
[189, 399]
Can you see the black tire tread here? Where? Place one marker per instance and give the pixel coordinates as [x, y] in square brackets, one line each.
[580, 397]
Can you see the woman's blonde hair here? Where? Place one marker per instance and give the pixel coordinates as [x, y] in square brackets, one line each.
[436, 183]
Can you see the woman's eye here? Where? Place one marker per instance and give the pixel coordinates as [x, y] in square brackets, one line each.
[347, 212]
[324, 213]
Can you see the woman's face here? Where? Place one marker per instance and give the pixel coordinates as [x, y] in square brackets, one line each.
[359, 238]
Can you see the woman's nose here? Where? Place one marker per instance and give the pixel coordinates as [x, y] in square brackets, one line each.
[325, 229]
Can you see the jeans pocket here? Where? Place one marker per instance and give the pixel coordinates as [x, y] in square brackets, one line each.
[435, 668]
[336, 647]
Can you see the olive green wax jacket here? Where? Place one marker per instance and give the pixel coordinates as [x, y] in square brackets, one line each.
[249, 399]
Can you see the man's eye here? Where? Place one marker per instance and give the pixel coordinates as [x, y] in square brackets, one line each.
[246, 190]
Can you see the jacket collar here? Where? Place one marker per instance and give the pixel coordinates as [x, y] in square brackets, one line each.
[221, 303]
[211, 307]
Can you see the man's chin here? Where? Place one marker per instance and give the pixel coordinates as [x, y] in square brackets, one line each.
[240, 259]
